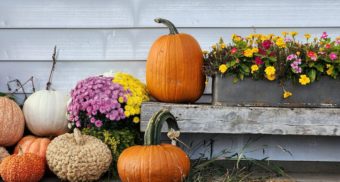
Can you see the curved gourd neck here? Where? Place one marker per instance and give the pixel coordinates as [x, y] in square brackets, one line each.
[152, 134]
[169, 24]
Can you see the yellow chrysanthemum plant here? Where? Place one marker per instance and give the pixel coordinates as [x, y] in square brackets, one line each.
[275, 58]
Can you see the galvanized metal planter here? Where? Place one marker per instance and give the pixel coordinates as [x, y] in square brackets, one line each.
[248, 92]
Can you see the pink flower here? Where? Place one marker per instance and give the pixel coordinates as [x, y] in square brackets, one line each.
[258, 60]
[233, 50]
[92, 120]
[266, 44]
[291, 57]
[312, 55]
[287, 39]
[98, 123]
[333, 56]
[324, 35]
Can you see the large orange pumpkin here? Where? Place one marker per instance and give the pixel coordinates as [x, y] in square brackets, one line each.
[32, 144]
[22, 167]
[12, 122]
[174, 68]
[154, 162]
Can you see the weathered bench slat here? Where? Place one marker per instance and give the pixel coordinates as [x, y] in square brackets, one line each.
[249, 120]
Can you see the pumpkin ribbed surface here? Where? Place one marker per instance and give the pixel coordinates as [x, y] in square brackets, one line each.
[76, 157]
[12, 122]
[174, 67]
[32, 144]
[156, 163]
[22, 168]
[45, 113]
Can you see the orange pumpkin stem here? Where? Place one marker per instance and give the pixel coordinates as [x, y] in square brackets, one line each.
[152, 134]
[169, 24]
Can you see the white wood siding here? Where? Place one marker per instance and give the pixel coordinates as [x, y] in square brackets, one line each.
[94, 36]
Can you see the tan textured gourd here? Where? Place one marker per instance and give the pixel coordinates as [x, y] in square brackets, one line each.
[75, 157]
[3, 153]
[12, 122]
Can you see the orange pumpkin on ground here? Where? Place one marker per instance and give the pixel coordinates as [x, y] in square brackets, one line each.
[32, 144]
[174, 67]
[22, 168]
[12, 122]
[154, 162]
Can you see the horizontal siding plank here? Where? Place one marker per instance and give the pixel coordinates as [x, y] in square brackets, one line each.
[184, 13]
[111, 44]
[249, 120]
[67, 74]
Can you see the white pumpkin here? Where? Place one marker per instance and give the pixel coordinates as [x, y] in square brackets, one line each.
[45, 113]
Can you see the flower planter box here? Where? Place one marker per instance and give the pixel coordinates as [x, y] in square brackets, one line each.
[248, 92]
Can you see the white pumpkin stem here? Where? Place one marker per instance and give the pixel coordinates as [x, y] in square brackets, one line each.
[78, 137]
[54, 61]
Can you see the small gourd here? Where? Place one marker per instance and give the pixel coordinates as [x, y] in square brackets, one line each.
[76, 157]
[32, 144]
[22, 167]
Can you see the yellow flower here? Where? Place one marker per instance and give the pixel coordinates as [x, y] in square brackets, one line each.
[249, 37]
[271, 35]
[280, 42]
[293, 34]
[248, 53]
[237, 39]
[254, 68]
[205, 52]
[223, 68]
[256, 36]
[321, 49]
[120, 99]
[127, 113]
[270, 70]
[298, 53]
[233, 36]
[286, 94]
[255, 50]
[330, 69]
[307, 36]
[135, 119]
[138, 93]
[304, 79]
[222, 45]
[271, 77]
[284, 33]
[264, 37]
[213, 46]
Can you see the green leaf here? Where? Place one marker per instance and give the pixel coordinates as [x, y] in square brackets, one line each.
[312, 75]
[272, 59]
[235, 80]
[245, 68]
[319, 67]
[241, 76]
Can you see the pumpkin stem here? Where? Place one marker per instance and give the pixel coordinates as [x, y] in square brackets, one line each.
[169, 24]
[78, 137]
[152, 134]
[21, 152]
[54, 61]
